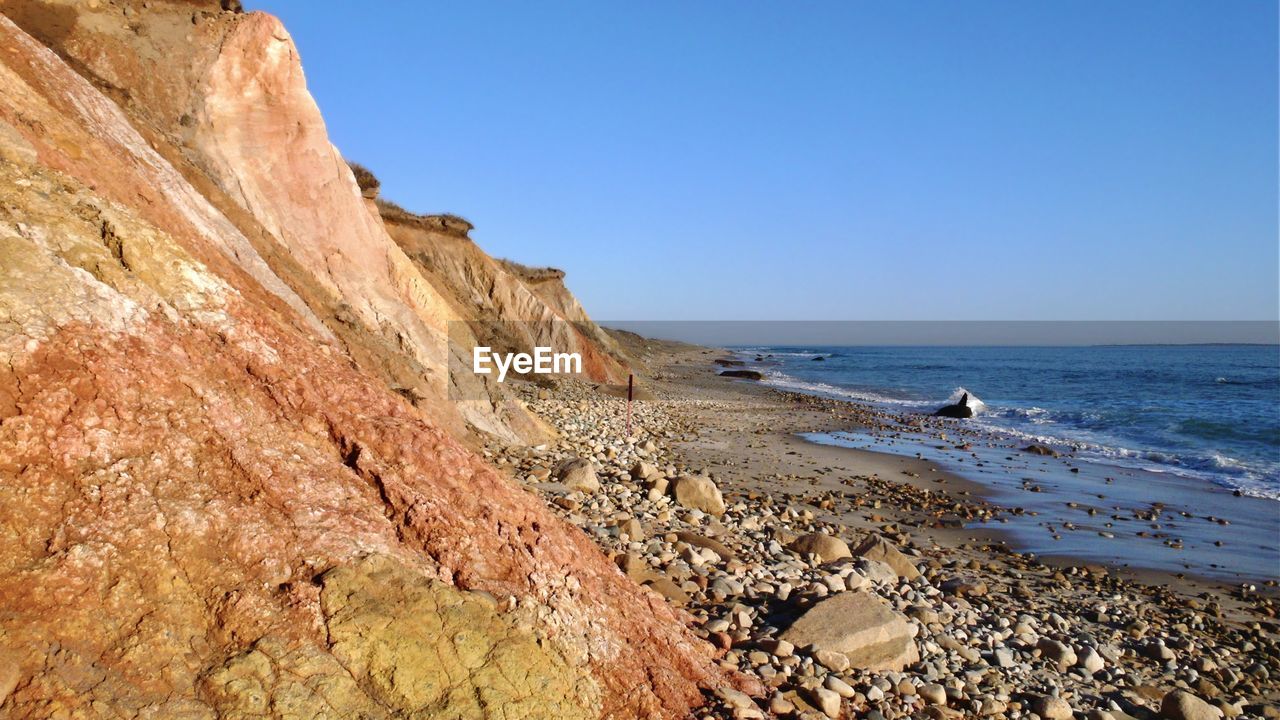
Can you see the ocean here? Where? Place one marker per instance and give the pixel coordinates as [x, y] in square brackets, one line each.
[1198, 424]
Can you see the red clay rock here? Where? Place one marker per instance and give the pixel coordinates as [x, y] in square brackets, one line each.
[208, 504]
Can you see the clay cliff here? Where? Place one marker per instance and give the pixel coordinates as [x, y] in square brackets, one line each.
[504, 307]
[234, 480]
[223, 98]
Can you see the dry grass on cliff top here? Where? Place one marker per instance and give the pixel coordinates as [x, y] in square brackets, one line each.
[443, 222]
[532, 274]
[365, 179]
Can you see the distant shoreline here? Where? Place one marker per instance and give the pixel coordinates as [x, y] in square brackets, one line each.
[791, 419]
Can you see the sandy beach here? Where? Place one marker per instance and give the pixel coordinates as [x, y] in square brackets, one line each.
[778, 457]
[1000, 631]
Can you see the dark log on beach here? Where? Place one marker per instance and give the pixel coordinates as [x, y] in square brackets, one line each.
[724, 362]
[959, 410]
[745, 374]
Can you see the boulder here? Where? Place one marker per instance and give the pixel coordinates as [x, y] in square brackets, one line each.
[744, 374]
[632, 529]
[860, 626]
[826, 547]
[697, 492]
[578, 474]
[876, 548]
[1041, 450]
[876, 571]
[959, 410]
[1181, 705]
[1051, 707]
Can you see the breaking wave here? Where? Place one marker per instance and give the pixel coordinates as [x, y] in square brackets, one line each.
[783, 381]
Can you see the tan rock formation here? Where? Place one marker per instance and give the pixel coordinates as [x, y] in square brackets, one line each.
[827, 548]
[860, 626]
[877, 548]
[211, 502]
[698, 492]
[222, 96]
[503, 308]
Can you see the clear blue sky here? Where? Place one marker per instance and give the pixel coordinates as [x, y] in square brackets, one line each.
[830, 160]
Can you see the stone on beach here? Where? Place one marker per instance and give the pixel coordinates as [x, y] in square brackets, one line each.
[826, 701]
[826, 547]
[1180, 705]
[875, 548]
[643, 470]
[860, 626]
[698, 493]
[669, 590]
[744, 374]
[1061, 654]
[964, 587]
[1051, 707]
[631, 529]
[578, 474]
[1089, 660]
[933, 693]
[706, 543]
[876, 571]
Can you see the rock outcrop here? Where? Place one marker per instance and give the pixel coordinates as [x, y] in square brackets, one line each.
[876, 548]
[697, 492]
[231, 480]
[959, 409]
[222, 97]
[502, 305]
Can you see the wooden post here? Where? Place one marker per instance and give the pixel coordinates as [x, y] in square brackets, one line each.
[631, 382]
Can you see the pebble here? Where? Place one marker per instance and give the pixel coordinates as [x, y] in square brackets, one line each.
[933, 693]
[826, 701]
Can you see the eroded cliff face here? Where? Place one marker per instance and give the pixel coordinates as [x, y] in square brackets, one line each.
[216, 499]
[502, 309]
[223, 98]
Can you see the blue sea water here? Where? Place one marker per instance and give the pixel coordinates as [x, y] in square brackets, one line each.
[1210, 413]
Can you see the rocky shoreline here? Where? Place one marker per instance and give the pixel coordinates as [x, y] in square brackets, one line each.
[855, 584]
